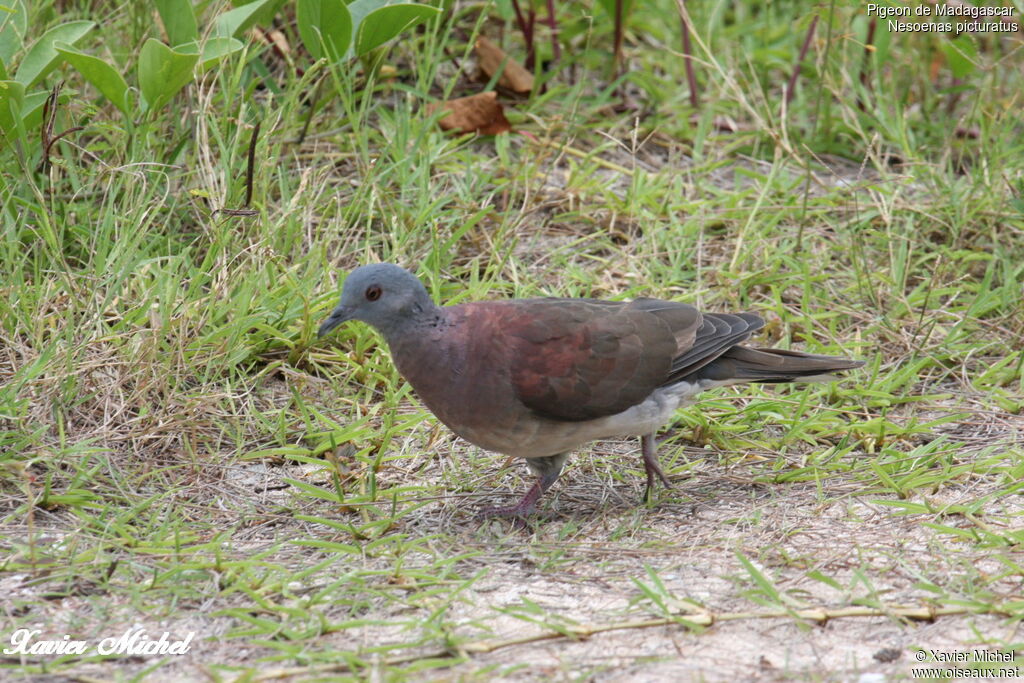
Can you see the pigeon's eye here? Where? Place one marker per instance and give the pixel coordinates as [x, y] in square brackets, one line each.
[372, 292]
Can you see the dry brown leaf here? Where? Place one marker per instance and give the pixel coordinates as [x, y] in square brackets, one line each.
[474, 114]
[514, 77]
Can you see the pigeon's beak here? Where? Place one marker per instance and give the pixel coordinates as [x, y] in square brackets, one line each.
[337, 317]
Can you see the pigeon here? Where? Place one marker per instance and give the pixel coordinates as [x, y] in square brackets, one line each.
[537, 378]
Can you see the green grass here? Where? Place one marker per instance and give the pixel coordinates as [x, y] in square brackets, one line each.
[179, 451]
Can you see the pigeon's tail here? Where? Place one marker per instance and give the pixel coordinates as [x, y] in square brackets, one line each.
[742, 364]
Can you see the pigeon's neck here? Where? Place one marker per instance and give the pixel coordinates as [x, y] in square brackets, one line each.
[419, 323]
[432, 355]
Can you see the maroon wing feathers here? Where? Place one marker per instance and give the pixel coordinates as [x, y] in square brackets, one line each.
[579, 360]
[717, 333]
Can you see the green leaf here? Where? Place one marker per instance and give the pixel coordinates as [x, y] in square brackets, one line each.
[760, 579]
[265, 14]
[332, 546]
[961, 55]
[216, 49]
[325, 27]
[827, 580]
[234, 22]
[609, 7]
[315, 491]
[32, 107]
[42, 57]
[360, 8]
[13, 28]
[213, 50]
[383, 24]
[12, 96]
[103, 77]
[163, 72]
[179, 20]
[883, 43]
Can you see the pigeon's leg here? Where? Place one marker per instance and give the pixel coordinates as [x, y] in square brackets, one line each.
[647, 447]
[547, 470]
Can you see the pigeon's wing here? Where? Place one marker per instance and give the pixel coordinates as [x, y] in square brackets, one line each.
[573, 359]
[717, 333]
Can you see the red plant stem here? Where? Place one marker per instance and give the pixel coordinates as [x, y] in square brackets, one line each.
[688, 57]
[527, 28]
[532, 53]
[618, 35]
[791, 87]
[556, 49]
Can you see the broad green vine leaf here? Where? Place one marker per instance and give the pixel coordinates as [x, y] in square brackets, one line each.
[360, 8]
[42, 57]
[216, 49]
[163, 72]
[32, 108]
[234, 22]
[325, 27]
[179, 20]
[12, 96]
[103, 76]
[13, 29]
[213, 50]
[382, 24]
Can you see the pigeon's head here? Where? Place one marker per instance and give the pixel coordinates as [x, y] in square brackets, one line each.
[382, 295]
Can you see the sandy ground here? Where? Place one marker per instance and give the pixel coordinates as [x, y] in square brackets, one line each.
[580, 565]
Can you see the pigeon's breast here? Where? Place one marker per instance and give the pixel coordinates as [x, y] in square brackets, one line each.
[461, 374]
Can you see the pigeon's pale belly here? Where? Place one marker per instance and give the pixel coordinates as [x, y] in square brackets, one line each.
[538, 437]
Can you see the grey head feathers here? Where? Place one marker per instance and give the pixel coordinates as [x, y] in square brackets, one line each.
[382, 295]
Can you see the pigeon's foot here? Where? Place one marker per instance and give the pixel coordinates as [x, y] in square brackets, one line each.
[651, 466]
[518, 512]
[547, 469]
